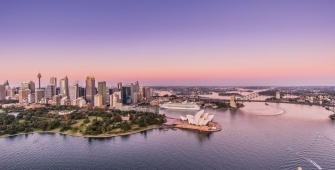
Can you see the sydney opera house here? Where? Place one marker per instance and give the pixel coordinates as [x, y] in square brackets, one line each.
[200, 119]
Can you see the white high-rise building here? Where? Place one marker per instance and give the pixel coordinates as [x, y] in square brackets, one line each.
[98, 100]
[74, 91]
[134, 98]
[31, 98]
[64, 86]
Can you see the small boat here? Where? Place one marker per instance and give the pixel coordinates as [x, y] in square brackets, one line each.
[166, 129]
[266, 104]
[174, 129]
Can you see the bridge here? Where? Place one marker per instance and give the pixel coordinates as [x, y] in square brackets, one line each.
[248, 97]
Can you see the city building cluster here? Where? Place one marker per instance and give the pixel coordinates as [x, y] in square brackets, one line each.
[118, 97]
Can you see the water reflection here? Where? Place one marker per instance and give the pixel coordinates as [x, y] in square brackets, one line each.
[247, 141]
[144, 133]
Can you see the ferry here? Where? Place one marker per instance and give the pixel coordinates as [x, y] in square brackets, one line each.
[180, 106]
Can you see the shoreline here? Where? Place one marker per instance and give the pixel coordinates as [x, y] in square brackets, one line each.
[84, 136]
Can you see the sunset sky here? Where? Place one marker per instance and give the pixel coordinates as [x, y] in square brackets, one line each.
[170, 42]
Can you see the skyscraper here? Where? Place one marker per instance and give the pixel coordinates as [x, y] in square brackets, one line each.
[6, 83]
[102, 91]
[23, 94]
[74, 91]
[126, 95]
[119, 85]
[136, 87]
[49, 92]
[39, 94]
[31, 98]
[2, 92]
[32, 86]
[81, 92]
[98, 100]
[25, 86]
[90, 89]
[64, 86]
[53, 82]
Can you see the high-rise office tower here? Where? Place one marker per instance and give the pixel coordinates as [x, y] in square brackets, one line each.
[81, 92]
[111, 100]
[136, 87]
[110, 91]
[142, 93]
[2, 92]
[49, 92]
[102, 91]
[148, 93]
[6, 83]
[98, 100]
[119, 85]
[90, 89]
[126, 95]
[23, 94]
[39, 80]
[134, 98]
[53, 81]
[32, 86]
[57, 91]
[31, 98]
[64, 86]
[74, 91]
[39, 94]
[11, 92]
[25, 86]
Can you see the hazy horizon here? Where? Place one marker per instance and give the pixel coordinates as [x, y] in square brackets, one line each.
[169, 43]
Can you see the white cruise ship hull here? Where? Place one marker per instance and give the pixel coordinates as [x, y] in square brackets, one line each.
[180, 108]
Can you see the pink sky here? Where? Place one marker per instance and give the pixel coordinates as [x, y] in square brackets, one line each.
[218, 44]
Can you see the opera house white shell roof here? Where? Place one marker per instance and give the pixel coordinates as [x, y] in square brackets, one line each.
[200, 119]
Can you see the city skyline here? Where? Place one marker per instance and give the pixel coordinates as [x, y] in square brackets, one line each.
[215, 43]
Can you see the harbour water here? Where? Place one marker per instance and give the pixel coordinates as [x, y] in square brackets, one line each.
[258, 136]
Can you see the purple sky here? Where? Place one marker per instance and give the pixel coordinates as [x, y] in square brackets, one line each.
[169, 42]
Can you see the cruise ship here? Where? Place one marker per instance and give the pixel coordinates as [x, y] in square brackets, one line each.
[180, 106]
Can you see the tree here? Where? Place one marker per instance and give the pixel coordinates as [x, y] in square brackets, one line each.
[125, 126]
[86, 121]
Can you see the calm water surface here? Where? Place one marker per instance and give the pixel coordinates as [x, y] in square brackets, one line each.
[278, 136]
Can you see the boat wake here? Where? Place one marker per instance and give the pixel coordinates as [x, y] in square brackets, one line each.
[266, 110]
